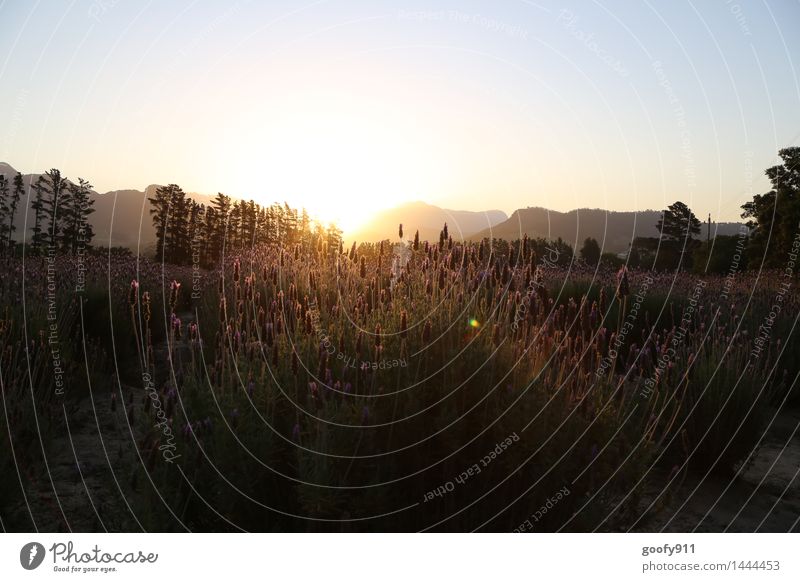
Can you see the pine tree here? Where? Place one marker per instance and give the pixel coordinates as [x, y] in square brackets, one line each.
[5, 208]
[77, 207]
[19, 190]
[305, 228]
[38, 237]
[196, 232]
[590, 252]
[159, 210]
[178, 237]
[333, 237]
[234, 231]
[678, 226]
[209, 229]
[250, 224]
[262, 229]
[291, 225]
[222, 208]
[55, 188]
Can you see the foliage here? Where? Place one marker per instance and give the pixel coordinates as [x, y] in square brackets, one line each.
[774, 217]
[590, 251]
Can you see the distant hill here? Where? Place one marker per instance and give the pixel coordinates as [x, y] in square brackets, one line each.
[120, 218]
[613, 230]
[428, 219]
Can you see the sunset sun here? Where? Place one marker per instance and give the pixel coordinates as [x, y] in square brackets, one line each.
[342, 163]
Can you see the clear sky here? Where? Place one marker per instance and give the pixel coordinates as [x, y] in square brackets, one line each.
[347, 107]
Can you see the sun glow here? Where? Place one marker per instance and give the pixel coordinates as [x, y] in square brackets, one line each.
[342, 166]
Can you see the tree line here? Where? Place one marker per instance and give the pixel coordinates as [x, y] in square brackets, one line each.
[61, 210]
[679, 246]
[770, 236]
[191, 232]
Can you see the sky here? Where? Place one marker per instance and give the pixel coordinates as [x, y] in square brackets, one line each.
[350, 107]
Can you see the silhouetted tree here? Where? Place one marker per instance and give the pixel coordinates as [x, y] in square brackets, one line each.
[16, 195]
[774, 216]
[305, 228]
[55, 188]
[222, 208]
[77, 206]
[249, 223]
[38, 236]
[188, 231]
[678, 224]
[590, 252]
[290, 225]
[5, 208]
[678, 227]
[209, 227]
[160, 207]
[177, 238]
[333, 238]
[196, 232]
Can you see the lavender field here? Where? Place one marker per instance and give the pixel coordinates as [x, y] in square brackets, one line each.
[399, 386]
[316, 271]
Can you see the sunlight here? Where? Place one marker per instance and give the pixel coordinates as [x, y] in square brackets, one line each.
[343, 166]
[342, 172]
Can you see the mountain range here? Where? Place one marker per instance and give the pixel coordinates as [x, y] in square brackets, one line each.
[612, 230]
[428, 220]
[122, 218]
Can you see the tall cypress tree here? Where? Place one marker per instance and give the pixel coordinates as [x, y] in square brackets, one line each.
[55, 187]
[159, 210]
[4, 209]
[37, 234]
[76, 210]
[19, 190]
[222, 208]
[209, 225]
[179, 243]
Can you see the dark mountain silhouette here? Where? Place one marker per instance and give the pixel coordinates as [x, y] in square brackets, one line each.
[612, 230]
[426, 218]
[120, 218]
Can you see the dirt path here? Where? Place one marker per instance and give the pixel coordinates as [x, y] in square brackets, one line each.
[764, 497]
[93, 462]
[89, 458]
